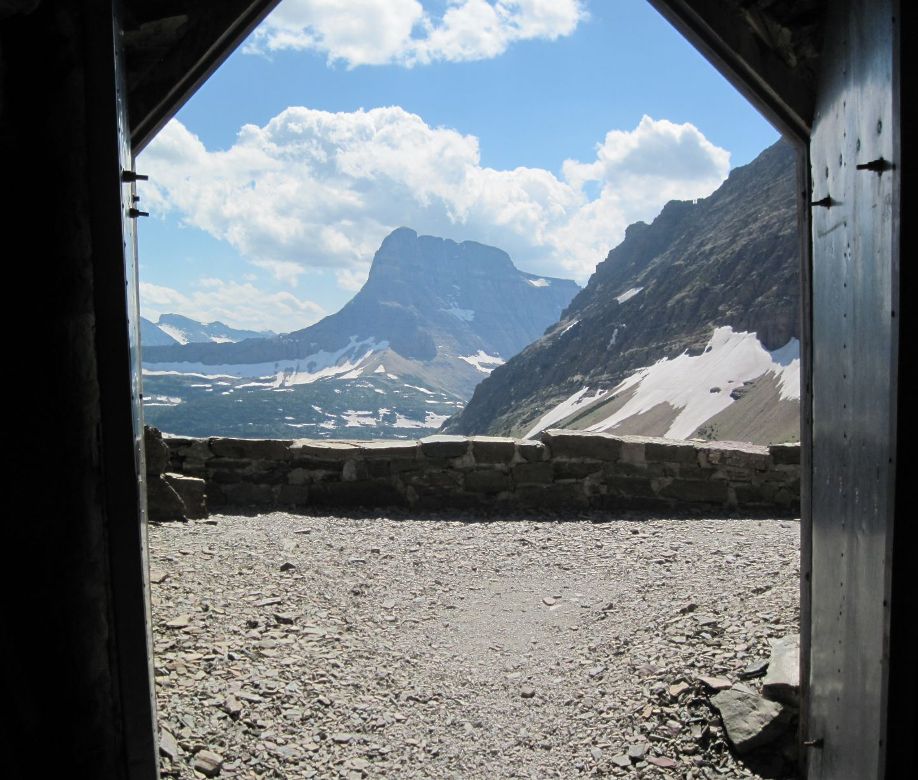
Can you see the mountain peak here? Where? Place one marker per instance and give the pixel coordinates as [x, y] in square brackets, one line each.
[401, 235]
[406, 251]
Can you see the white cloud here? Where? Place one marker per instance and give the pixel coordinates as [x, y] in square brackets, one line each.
[403, 32]
[313, 189]
[282, 270]
[351, 280]
[237, 305]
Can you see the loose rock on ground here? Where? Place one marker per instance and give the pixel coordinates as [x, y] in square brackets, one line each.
[444, 646]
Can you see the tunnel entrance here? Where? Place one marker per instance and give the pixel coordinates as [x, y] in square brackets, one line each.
[636, 640]
[88, 642]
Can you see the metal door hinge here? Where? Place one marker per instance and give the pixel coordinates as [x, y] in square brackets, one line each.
[876, 166]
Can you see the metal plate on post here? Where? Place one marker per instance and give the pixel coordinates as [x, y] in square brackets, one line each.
[854, 381]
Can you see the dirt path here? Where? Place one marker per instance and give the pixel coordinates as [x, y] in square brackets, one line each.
[301, 647]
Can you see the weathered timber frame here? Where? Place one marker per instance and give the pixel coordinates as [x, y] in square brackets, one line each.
[86, 83]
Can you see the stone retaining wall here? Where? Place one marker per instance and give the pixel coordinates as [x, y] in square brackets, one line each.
[565, 470]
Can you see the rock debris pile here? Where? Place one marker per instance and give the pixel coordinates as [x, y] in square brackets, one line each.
[443, 646]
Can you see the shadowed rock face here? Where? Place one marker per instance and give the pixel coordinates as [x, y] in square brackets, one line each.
[424, 296]
[469, 294]
[731, 259]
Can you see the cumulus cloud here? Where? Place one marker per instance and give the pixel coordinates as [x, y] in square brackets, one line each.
[239, 305]
[350, 279]
[313, 189]
[404, 32]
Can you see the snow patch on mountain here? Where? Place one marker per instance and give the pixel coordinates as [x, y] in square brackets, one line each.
[575, 322]
[481, 360]
[177, 333]
[358, 419]
[179, 372]
[565, 409]
[466, 315]
[345, 362]
[628, 294]
[788, 357]
[369, 419]
[538, 282]
[163, 400]
[700, 385]
[431, 420]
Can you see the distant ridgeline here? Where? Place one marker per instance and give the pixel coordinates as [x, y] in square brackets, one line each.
[689, 328]
[172, 329]
[432, 320]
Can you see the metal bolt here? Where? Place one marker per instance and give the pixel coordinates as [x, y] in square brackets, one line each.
[826, 202]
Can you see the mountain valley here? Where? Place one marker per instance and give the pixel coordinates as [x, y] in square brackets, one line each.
[434, 318]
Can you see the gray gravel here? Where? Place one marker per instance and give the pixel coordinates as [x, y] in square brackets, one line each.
[432, 647]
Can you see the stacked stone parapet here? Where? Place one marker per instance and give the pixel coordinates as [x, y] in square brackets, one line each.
[564, 470]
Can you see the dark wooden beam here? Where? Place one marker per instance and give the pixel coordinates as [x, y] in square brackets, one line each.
[728, 40]
[160, 86]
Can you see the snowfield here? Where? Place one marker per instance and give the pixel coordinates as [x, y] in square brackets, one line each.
[482, 361]
[628, 294]
[698, 386]
[565, 409]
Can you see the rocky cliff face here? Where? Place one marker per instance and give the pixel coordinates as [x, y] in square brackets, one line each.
[688, 285]
[467, 296]
[433, 319]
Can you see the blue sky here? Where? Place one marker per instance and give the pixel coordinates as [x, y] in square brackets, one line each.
[541, 126]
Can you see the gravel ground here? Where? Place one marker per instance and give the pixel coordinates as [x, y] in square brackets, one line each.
[443, 646]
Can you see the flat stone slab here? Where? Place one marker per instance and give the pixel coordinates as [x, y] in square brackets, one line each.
[385, 448]
[324, 450]
[732, 446]
[168, 747]
[192, 491]
[582, 444]
[782, 680]
[785, 454]
[255, 449]
[208, 763]
[751, 720]
[531, 450]
[493, 449]
[734, 454]
[444, 446]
